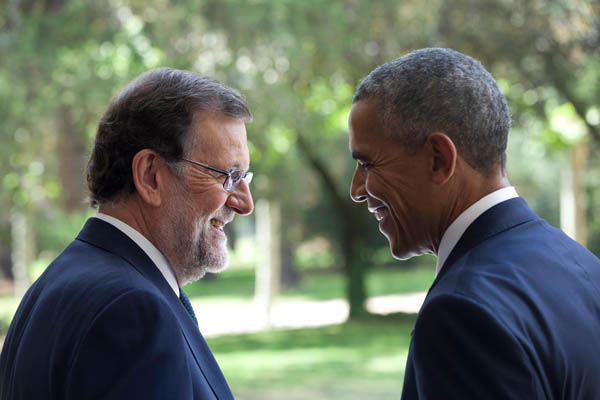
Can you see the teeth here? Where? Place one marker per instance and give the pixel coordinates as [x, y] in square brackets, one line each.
[379, 214]
[216, 223]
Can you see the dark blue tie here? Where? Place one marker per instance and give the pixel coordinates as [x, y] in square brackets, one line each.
[188, 306]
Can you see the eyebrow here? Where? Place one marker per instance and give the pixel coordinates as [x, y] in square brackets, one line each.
[359, 156]
[238, 165]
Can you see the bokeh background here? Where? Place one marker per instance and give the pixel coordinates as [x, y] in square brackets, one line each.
[312, 306]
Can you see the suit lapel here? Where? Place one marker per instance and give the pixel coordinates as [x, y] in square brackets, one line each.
[104, 235]
[202, 353]
[499, 218]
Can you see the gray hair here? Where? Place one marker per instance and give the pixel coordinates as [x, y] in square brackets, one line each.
[154, 111]
[442, 90]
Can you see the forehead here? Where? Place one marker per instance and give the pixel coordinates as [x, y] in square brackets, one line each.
[365, 127]
[219, 137]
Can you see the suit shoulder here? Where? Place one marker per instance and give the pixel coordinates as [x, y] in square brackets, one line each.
[531, 256]
[83, 269]
[79, 285]
[517, 275]
[461, 351]
[135, 336]
[136, 308]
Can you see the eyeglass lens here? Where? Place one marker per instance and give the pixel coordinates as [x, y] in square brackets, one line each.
[234, 177]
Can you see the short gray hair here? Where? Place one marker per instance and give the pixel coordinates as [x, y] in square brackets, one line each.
[154, 111]
[442, 90]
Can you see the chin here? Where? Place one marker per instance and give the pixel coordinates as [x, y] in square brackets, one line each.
[214, 260]
[402, 256]
[220, 266]
[209, 261]
[402, 250]
[401, 253]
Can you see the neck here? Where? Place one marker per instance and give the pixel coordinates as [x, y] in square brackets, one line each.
[463, 191]
[130, 212]
[135, 213]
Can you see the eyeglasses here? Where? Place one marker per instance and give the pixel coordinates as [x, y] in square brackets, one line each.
[233, 175]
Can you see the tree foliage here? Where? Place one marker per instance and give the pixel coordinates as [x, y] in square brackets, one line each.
[297, 62]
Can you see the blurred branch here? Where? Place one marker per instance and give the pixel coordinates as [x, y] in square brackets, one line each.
[352, 239]
[558, 62]
[19, 8]
[561, 84]
[14, 14]
[321, 170]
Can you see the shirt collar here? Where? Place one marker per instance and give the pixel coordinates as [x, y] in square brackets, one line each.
[155, 255]
[458, 227]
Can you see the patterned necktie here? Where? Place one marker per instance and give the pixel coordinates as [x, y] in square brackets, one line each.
[188, 306]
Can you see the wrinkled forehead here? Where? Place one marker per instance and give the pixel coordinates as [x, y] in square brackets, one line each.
[364, 123]
[217, 136]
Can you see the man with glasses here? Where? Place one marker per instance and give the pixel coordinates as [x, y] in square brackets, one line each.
[514, 311]
[108, 318]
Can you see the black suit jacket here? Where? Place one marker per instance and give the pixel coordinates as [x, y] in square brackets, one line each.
[513, 314]
[102, 323]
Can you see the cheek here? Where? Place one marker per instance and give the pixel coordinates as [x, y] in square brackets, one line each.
[208, 203]
[397, 200]
[384, 188]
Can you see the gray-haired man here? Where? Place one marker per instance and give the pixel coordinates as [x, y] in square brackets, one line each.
[107, 319]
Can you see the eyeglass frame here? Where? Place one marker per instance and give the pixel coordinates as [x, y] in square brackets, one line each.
[246, 176]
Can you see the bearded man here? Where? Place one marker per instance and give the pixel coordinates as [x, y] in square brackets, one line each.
[108, 319]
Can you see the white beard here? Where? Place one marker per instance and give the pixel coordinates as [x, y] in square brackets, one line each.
[193, 247]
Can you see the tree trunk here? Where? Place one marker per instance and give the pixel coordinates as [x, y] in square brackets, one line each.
[268, 265]
[72, 155]
[22, 250]
[579, 163]
[355, 262]
[355, 269]
[289, 276]
[352, 241]
[573, 197]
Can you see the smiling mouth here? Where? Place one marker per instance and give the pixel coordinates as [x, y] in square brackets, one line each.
[379, 213]
[217, 223]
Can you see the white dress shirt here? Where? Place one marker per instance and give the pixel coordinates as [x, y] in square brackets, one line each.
[462, 222]
[155, 255]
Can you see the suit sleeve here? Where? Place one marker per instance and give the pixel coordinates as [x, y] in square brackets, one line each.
[461, 351]
[133, 349]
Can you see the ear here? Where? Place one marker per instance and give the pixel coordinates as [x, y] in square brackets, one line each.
[148, 177]
[444, 157]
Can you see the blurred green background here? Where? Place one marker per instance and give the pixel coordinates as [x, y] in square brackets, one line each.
[297, 63]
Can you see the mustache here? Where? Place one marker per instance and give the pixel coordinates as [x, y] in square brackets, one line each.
[224, 214]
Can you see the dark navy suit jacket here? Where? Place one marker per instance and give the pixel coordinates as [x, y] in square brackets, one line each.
[103, 323]
[513, 314]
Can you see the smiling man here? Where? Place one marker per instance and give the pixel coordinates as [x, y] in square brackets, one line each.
[514, 310]
[107, 319]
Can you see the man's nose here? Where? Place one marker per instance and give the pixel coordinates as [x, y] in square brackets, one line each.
[358, 192]
[241, 199]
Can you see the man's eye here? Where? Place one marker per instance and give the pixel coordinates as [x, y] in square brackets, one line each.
[364, 164]
[236, 175]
